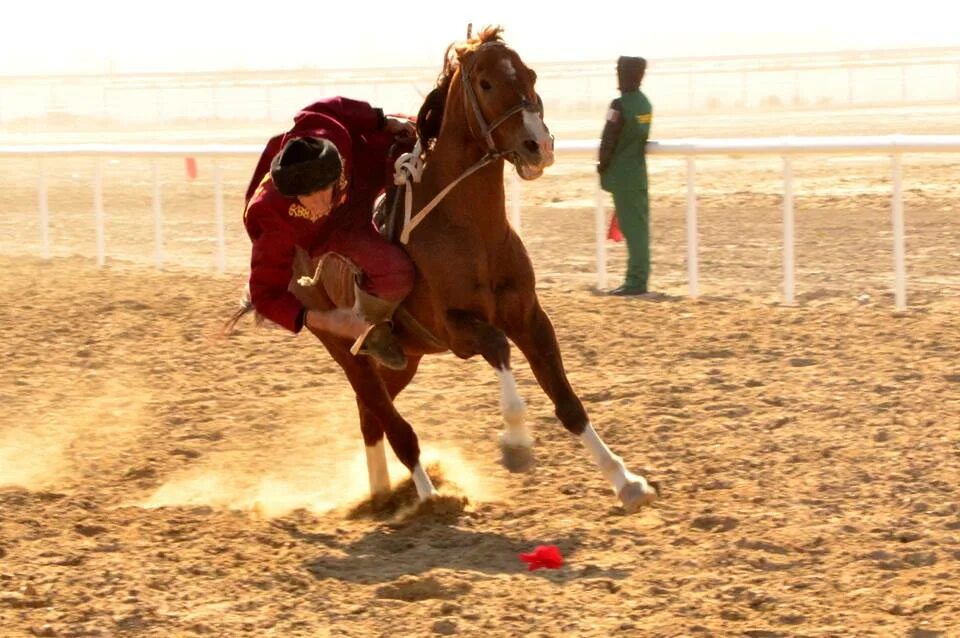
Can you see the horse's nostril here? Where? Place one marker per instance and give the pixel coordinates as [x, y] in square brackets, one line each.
[531, 146]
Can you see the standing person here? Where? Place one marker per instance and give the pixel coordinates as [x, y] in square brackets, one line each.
[623, 170]
[314, 189]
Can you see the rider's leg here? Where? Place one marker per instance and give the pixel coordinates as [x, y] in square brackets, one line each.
[386, 279]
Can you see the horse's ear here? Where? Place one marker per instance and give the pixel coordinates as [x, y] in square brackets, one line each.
[431, 115]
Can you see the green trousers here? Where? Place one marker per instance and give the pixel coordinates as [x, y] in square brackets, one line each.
[633, 215]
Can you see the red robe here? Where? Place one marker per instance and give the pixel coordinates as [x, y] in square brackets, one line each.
[277, 224]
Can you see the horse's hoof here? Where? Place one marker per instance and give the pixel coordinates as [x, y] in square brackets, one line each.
[380, 501]
[517, 458]
[441, 506]
[637, 494]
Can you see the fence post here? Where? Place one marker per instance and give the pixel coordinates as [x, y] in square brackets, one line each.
[899, 262]
[158, 102]
[692, 249]
[98, 212]
[157, 219]
[600, 221]
[788, 218]
[218, 216]
[44, 212]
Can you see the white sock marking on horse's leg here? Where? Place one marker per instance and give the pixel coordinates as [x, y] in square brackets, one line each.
[377, 469]
[514, 412]
[423, 483]
[611, 465]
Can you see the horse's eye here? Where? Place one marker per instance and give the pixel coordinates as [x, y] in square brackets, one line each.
[486, 86]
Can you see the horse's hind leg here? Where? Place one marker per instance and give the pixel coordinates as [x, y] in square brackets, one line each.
[538, 342]
[373, 396]
[373, 431]
[469, 336]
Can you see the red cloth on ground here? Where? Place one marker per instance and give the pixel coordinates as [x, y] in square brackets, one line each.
[547, 556]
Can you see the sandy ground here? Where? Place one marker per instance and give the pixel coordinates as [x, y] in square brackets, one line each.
[160, 480]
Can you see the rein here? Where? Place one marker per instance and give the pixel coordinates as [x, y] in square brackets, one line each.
[409, 166]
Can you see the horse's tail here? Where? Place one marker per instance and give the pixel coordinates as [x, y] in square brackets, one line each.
[246, 305]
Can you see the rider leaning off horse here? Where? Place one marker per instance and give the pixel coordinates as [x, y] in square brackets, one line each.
[314, 188]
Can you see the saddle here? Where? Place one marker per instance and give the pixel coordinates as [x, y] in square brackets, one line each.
[388, 210]
[388, 214]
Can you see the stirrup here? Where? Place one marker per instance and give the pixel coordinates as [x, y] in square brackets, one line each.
[380, 343]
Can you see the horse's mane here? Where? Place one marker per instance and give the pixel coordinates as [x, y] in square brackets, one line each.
[431, 113]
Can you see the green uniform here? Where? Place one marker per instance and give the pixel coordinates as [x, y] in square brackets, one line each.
[623, 172]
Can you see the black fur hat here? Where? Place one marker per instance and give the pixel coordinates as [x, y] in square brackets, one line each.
[630, 72]
[305, 165]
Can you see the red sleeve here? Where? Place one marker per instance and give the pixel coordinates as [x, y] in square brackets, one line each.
[356, 115]
[271, 267]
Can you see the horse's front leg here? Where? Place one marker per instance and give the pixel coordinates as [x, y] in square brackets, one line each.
[537, 340]
[470, 336]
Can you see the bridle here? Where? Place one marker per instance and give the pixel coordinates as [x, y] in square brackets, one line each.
[486, 130]
[409, 167]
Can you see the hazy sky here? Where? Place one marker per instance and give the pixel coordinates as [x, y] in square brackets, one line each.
[44, 36]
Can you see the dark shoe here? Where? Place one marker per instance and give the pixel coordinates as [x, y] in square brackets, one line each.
[382, 345]
[628, 291]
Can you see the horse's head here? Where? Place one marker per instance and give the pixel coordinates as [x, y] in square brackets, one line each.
[502, 110]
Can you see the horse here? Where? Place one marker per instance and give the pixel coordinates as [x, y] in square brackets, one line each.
[474, 290]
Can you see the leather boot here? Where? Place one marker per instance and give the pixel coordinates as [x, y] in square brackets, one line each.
[378, 341]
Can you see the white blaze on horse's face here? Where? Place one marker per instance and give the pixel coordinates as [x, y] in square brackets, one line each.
[507, 68]
[532, 145]
[534, 126]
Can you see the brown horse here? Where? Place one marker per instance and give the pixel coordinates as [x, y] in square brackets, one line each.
[475, 284]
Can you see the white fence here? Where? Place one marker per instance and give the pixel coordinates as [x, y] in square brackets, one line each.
[893, 145]
[787, 147]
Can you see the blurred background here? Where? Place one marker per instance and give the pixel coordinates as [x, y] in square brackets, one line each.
[188, 71]
[214, 72]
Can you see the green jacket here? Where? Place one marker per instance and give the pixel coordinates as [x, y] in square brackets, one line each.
[623, 162]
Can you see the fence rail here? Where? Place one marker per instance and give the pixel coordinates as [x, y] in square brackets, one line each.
[690, 149]
[838, 79]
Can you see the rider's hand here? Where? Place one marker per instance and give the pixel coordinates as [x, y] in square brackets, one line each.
[400, 128]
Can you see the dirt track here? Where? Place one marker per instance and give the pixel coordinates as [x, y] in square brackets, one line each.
[162, 481]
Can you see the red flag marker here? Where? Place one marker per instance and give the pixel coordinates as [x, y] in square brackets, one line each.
[191, 167]
[543, 556]
[614, 234]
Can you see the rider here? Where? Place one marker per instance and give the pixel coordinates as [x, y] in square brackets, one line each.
[314, 188]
